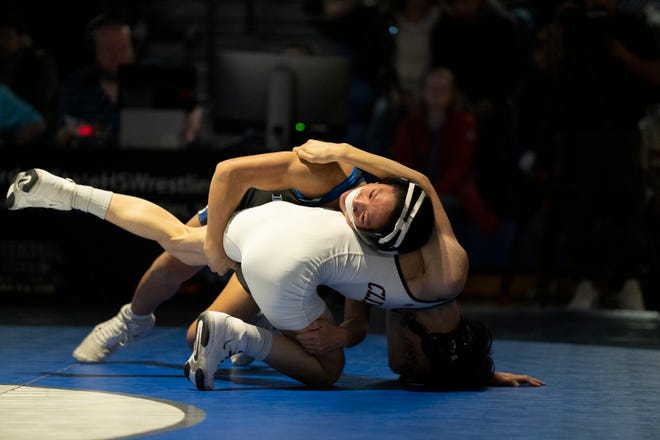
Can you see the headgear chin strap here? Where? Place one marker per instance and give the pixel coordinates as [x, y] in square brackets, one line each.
[348, 203]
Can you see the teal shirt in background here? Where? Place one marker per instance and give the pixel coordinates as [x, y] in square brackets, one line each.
[14, 113]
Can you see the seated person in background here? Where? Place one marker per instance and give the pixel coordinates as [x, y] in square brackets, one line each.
[27, 70]
[440, 142]
[88, 112]
[20, 124]
[88, 109]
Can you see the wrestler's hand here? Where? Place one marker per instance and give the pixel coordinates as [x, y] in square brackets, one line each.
[501, 379]
[319, 151]
[217, 259]
[321, 337]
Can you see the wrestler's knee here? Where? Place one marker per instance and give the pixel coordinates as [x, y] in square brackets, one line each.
[333, 366]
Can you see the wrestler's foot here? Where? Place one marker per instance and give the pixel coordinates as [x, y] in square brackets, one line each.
[215, 341]
[243, 359]
[38, 188]
[108, 336]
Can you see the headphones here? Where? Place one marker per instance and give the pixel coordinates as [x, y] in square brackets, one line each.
[98, 22]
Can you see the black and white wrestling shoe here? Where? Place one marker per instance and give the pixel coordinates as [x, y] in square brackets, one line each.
[37, 188]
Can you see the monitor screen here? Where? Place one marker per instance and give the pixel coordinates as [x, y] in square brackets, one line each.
[299, 96]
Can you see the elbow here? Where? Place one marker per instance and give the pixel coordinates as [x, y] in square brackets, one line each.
[223, 170]
[458, 278]
[226, 172]
[455, 287]
[423, 180]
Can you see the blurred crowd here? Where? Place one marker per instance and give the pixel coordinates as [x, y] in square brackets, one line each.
[540, 115]
[544, 115]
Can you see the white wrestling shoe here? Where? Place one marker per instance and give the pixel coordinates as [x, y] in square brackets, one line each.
[242, 359]
[37, 188]
[108, 336]
[586, 297]
[215, 341]
[631, 296]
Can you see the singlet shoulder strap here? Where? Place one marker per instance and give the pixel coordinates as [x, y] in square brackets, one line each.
[354, 179]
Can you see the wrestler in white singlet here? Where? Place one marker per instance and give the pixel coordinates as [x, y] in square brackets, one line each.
[314, 246]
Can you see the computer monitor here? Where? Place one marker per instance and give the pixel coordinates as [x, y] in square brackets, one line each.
[285, 98]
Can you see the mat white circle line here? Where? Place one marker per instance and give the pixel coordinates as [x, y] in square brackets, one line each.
[29, 412]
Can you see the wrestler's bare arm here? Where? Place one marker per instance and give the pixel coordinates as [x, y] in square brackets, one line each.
[445, 261]
[323, 336]
[399, 355]
[271, 171]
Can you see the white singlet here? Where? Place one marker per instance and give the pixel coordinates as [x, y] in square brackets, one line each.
[286, 251]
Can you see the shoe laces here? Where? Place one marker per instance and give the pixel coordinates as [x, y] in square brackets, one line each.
[114, 332]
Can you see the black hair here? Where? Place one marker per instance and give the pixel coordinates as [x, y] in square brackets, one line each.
[460, 359]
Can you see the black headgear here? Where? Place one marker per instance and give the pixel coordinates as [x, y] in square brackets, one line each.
[395, 241]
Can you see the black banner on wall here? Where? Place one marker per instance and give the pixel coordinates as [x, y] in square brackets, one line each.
[49, 256]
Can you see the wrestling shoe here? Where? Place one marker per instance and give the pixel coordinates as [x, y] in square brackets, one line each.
[631, 296]
[38, 188]
[586, 297]
[215, 341]
[242, 359]
[108, 336]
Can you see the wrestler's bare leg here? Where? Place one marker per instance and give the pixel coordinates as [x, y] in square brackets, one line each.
[159, 283]
[148, 220]
[162, 280]
[38, 188]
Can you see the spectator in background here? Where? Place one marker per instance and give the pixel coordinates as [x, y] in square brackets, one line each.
[610, 72]
[411, 25]
[440, 142]
[480, 42]
[414, 21]
[88, 112]
[361, 34]
[20, 123]
[29, 72]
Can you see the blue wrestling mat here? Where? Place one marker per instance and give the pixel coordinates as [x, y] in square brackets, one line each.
[599, 391]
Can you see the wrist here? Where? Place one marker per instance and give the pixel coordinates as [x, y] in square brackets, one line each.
[212, 245]
[345, 153]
